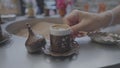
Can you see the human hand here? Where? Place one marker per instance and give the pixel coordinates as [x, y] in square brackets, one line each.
[84, 21]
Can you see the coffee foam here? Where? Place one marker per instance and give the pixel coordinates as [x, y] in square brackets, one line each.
[60, 29]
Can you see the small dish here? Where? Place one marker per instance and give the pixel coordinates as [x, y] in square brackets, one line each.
[74, 50]
[104, 38]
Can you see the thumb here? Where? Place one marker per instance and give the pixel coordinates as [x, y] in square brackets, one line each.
[78, 27]
[72, 18]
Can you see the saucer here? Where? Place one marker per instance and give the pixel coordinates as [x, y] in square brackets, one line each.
[104, 38]
[6, 37]
[74, 50]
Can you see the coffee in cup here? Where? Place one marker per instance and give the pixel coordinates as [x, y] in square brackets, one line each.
[60, 38]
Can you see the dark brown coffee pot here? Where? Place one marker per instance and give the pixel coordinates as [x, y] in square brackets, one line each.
[34, 43]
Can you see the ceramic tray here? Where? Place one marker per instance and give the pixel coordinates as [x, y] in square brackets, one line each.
[6, 37]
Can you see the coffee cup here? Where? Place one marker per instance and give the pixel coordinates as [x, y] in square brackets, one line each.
[60, 38]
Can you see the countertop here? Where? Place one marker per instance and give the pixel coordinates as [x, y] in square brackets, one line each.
[91, 55]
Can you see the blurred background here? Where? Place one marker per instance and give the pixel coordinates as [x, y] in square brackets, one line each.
[12, 8]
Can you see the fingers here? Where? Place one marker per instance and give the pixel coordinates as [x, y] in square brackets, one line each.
[78, 30]
[82, 33]
[79, 34]
[72, 18]
[78, 27]
[80, 21]
[66, 21]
